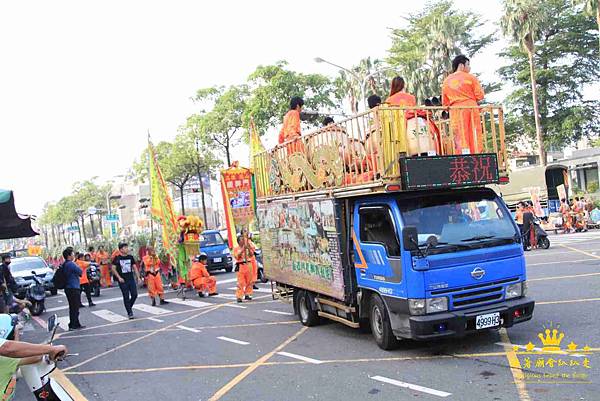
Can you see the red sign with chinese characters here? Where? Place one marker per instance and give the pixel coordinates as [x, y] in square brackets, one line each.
[449, 171]
[238, 184]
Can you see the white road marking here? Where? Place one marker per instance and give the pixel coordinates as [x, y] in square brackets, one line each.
[233, 340]
[156, 320]
[100, 301]
[278, 312]
[189, 302]
[63, 322]
[153, 310]
[189, 329]
[229, 280]
[414, 387]
[225, 296]
[234, 306]
[300, 357]
[108, 315]
[265, 290]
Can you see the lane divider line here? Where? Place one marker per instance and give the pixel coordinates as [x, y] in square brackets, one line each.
[260, 361]
[410, 386]
[300, 357]
[233, 340]
[568, 301]
[68, 385]
[278, 312]
[563, 277]
[109, 315]
[235, 306]
[515, 366]
[582, 252]
[189, 329]
[153, 310]
[156, 320]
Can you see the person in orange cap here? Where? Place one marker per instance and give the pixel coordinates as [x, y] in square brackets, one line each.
[242, 254]
[200, 277]
[153, 277]
[103, 260]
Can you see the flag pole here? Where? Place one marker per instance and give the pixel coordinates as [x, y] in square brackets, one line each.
[150, 186]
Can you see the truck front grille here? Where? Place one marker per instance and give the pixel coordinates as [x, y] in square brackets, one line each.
[475, 295]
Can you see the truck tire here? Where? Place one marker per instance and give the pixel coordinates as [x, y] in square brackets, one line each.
[308, 316]
[380, 325]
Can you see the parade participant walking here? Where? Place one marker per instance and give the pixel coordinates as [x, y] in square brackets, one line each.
[72, 288]
[463, 89]
[242, 253]
[103, 260]
[201, 279]
[252, 258]
[291, 126]
[124, 268]
[565, 210]
[398, 95]
[153, 277]
[83, 280]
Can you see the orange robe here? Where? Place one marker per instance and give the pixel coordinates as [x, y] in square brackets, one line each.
[104, 262]
[83, 265]
[401, 99]
[290, 131]
[244, 274]
[201, 279]
[153, 277]
[464, 89]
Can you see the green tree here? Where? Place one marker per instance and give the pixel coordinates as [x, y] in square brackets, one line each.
[424, 49]
[522, 22]
[271, 88]
[553, 60]
[591, 8]
[222, 125]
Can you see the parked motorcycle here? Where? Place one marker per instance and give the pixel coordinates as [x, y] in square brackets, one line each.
[37, 376]
[93, 275]
[36, 294]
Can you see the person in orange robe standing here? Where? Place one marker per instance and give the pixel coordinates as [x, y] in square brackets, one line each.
[103, 261]
[398, 95]
[153, 277]
[252, 258]
[83, 280]
[201, 279]
[242, 254]
[463, 89]
[291, 126]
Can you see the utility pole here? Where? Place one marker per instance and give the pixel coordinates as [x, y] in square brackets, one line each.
[200, 180]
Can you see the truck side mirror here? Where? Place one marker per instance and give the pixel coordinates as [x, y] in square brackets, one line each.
[410, 238]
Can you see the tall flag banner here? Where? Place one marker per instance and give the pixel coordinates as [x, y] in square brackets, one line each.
[256, 145]
[238, 194]
[162, 208]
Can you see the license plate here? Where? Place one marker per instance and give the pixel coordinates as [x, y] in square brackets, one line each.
[217, 260]
[487, 320]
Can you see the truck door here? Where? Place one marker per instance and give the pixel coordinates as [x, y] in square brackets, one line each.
[377, 249]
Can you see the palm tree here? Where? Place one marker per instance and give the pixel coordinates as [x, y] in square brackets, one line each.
[521, 21]
[591, 8]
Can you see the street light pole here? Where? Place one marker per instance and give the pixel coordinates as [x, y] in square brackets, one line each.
[364, 83]
[354, 75]
[200, 180]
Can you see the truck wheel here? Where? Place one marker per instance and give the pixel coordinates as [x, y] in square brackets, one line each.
[228, 269]
[380, 325]
[308, 316]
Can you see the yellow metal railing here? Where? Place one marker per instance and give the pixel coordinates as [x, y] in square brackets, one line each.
[365, 148]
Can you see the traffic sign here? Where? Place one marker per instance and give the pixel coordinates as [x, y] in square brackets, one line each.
[72, 229]
[92, 210]
[113, 230]
[111, 217]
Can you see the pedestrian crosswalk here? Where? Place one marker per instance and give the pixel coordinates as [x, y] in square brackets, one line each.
[143, 310]
[566, 239]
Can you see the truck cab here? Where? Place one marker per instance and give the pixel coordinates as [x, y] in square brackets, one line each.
[442, 265]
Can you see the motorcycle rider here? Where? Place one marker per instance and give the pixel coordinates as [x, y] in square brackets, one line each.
[14, 353]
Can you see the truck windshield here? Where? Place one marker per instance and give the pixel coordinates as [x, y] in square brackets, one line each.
[464, 220]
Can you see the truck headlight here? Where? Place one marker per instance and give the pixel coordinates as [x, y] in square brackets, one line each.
[437, 304]
[416, 306]
[516, 290]
[419, 306]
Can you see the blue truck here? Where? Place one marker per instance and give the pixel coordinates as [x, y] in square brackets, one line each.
[423, 255]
